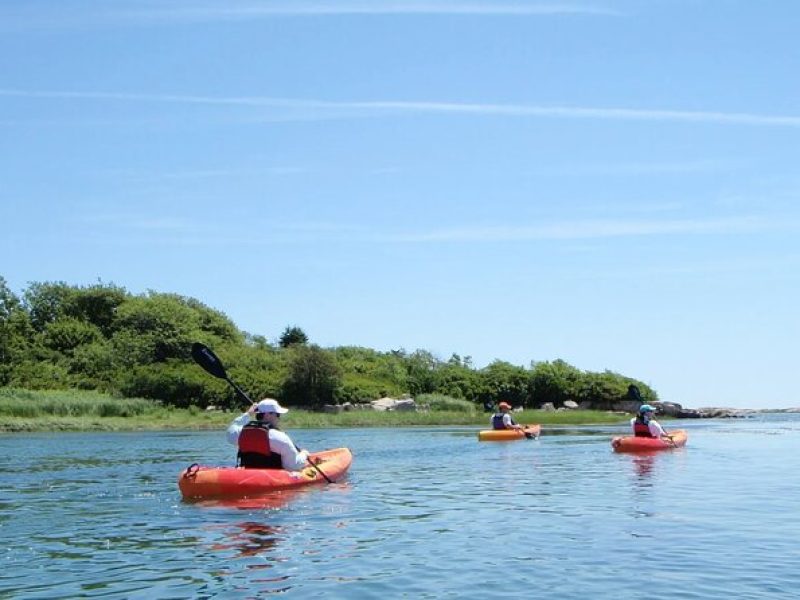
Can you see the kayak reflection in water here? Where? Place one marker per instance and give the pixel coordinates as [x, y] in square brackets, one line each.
[644, 425]
[503, 419]
[253, 539]
[261, 443]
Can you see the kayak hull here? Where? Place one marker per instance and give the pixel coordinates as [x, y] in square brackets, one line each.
[508, 435]
[630, 443]
[199, 481]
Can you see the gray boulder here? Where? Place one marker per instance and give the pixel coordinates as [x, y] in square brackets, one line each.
[388, 404]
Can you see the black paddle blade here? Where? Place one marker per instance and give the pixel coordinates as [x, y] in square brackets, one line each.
[205, 357]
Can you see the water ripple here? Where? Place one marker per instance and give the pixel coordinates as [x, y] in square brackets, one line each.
[425, 513]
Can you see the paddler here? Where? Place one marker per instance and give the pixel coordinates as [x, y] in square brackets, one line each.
[644, 425]
[261, 443]
[503, 419]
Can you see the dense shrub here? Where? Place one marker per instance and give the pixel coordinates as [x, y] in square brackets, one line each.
[100, 337]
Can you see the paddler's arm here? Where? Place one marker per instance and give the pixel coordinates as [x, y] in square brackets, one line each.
[292, 459]
[659, 433]
[235, 428]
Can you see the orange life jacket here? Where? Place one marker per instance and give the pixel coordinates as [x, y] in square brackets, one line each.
[254, 451]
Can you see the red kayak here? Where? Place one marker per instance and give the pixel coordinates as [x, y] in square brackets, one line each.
[629, 443]
[236, 482]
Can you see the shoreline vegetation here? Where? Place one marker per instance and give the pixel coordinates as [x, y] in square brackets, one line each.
[75, 411]
[101, 338]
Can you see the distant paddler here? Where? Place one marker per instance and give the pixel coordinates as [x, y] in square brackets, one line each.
[644, 425]
[504, 421]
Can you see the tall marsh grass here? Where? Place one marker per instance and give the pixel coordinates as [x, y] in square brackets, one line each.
[73, 410]
[368, 418]
[67, 403]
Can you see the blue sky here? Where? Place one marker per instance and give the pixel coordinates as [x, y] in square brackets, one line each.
[612, 183]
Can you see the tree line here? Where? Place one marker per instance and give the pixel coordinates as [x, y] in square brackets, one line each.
[101, 337]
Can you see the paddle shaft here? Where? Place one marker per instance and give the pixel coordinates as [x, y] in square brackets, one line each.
[205, 357]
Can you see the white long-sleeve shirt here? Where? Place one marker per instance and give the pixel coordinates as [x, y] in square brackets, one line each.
[292, 459]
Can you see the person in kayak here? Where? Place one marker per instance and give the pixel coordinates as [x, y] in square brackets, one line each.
[644, 425]
[261, 443]
[503, 419]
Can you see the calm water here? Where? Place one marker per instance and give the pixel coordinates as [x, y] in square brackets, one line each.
[423, 514]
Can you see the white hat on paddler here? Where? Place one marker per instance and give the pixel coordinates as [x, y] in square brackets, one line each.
[270, 405]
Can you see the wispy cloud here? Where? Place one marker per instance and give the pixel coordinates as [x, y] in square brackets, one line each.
[645, 168]
[299, 8]
[627, 114]
[351, 109]
[598, 228]
[205, 174]
[780, 264]
[267, 232]
[136, 221]
[65, 14]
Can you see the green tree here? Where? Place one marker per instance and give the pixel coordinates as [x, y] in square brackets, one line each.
[313, 377]
[95, 304]
[65, 334]
[10, 311]
[44, 302]
[292, 336]
[421, 368]
[154, 328]
[554, 382]
[9, 302]
[502, 381]
[456, 381]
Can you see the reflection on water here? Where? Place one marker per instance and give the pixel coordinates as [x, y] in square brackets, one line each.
[269, 501]
[251, 538]
[643, 464]
[425, 513]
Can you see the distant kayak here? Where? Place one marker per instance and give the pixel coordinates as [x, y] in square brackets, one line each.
[643, 444]
[507, 435]
[236, 482]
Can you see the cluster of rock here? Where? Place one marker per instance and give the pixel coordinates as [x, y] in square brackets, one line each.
[670, 409]
[380, 405]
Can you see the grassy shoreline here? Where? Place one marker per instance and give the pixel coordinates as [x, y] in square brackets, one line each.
[32, 411]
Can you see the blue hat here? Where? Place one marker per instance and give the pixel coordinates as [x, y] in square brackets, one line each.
[646, 408]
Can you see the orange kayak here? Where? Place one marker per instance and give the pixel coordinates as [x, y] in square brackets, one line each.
[630, 443]
[216, 482]
[507, 435]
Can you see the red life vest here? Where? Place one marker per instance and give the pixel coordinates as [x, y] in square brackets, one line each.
[254, 451]
[641, 429]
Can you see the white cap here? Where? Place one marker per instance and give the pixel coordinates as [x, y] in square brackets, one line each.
[268, 405]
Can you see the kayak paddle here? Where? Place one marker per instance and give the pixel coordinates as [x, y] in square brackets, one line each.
[205, 357]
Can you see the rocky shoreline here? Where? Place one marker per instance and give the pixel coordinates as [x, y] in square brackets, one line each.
[669, 409]
[672, 409]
